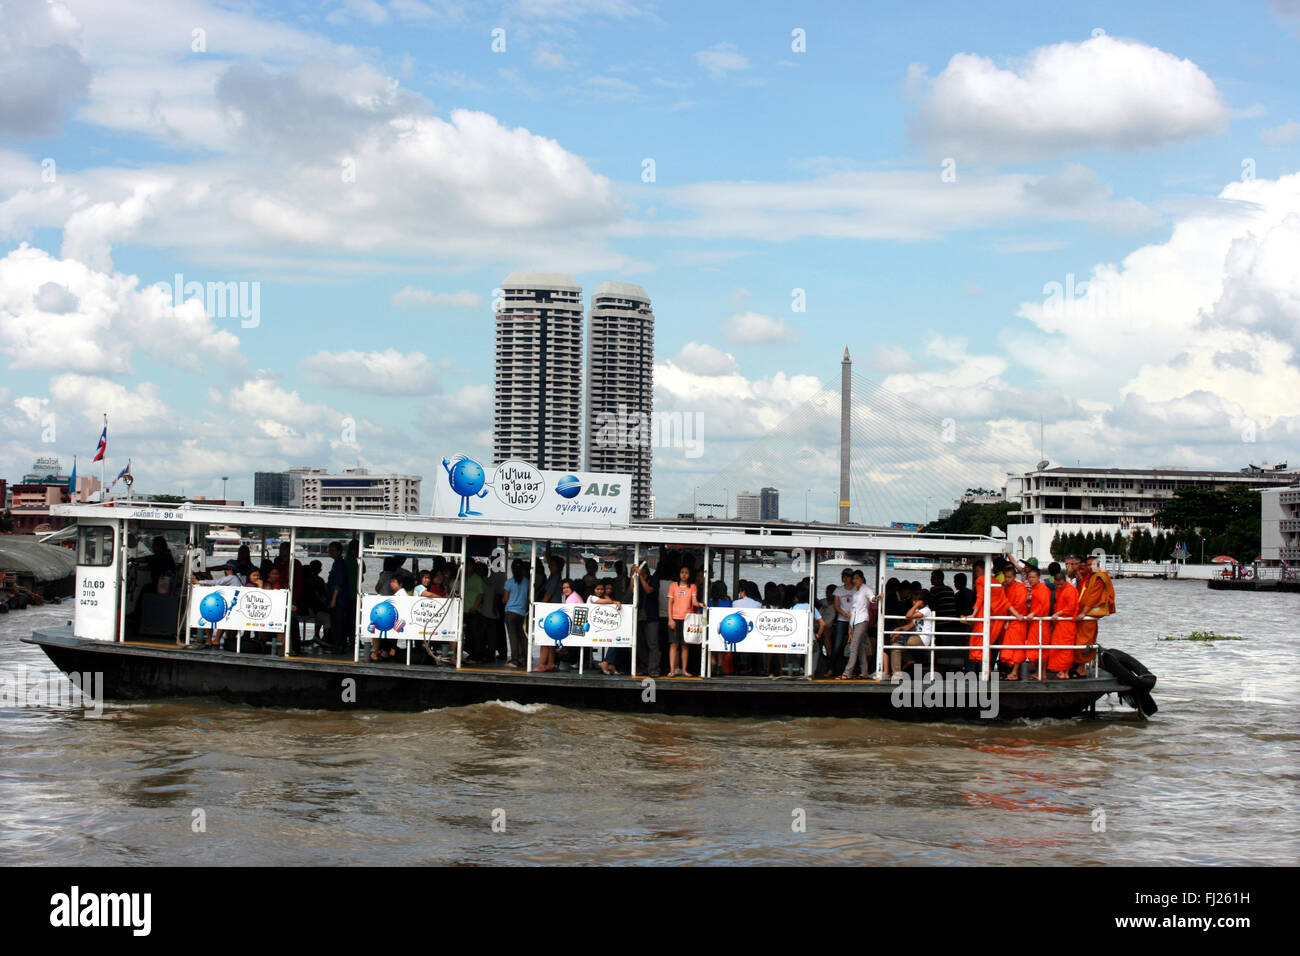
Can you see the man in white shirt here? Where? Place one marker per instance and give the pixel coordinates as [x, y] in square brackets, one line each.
[861, 650]
[744, 599]
[843, 612]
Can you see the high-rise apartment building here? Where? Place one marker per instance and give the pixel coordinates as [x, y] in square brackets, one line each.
[749, 506]
[537, 401]
[271, 489]
[771, 504]
[620, 387]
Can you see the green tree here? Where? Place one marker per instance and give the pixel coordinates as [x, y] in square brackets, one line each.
[971, 518]
[1228, 520]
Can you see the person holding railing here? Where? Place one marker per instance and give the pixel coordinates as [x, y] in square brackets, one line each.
[1040, 610]
[861, 650]
[1016, 631]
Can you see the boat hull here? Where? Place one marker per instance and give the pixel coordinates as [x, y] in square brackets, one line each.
[142, 672]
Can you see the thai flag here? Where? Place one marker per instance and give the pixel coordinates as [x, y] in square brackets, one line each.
[103, 445]
[123, 473]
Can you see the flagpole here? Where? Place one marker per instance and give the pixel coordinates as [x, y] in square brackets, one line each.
[103, 465]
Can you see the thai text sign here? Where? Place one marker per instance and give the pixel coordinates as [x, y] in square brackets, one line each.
[404, 617]
[517, 491]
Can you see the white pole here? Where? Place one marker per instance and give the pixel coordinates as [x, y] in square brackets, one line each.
[528, 621]
[356, 617]
[880, 613]
[636, 602]
[288, 625]
[706, 659]
[986, 665]
[464, 570]
[812, 607]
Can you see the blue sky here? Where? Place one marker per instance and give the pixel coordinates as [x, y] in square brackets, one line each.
[1158, 146]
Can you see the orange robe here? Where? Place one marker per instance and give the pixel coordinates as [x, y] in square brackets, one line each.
[1092, 593]
[1016, 596]
[977, 629]
[1040, 606]
[1063, 631]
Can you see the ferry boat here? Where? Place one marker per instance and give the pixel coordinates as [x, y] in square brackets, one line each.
[152, 642]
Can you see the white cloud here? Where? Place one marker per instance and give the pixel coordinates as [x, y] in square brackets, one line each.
[1104, 92]
[42, 69]
[721, 59]
[754, 327]
[1280, 135]
[703, 359]
[389, 372]
[551, 60]
[891, 358]
[100, 319]
[411, 297]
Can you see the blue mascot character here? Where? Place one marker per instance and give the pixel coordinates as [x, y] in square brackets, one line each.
[383, 618]
[556, 626]
[213, 609]
[734, 629]
[467, 479]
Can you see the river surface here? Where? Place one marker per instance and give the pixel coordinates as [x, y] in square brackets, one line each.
[1211, 779]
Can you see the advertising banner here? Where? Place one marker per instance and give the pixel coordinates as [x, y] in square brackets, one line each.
[583, 625]
[516, 491]
[758, 630]
[404, 617]
[232, 608]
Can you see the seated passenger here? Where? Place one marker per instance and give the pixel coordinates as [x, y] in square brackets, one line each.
[918, 632]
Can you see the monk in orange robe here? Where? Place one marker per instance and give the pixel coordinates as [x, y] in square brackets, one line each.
[1016, 632]
[1061, 659]
[977, 616]
[1040, 608]
[1092, 595]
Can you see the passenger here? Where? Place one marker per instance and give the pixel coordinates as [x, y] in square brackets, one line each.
[160, 562]
[682, 600]
[382, 649]
[1096, 600]
[243, 561]
[861, 650]
[227, 580]
[975, 661]
[826, 649]
[516, 607]
[718, 597]
[589, 579]
[426, 578]
[601, 595]
[1061, 661]
[648, 618]
[273, 582]
[339, 602]
[800, 596]
[963, 597]
[473, 642]
[1040, 610]
[843, 614]
[918, 632]
[1016, 631]
[620, 589]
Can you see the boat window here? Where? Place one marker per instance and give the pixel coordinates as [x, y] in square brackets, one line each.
[95, 546]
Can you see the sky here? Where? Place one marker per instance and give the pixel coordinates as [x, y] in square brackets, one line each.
[1085, 215]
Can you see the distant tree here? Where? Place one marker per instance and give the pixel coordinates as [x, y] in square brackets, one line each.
[1228, 521]
[168, 499]
[6, 522]
[1057, 549]
[970, 518]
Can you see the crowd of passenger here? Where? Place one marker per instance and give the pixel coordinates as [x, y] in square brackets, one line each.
[1049, 618]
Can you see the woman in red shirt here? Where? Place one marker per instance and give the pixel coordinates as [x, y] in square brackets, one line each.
[682, 600]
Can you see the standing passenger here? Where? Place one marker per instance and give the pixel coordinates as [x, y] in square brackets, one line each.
[516, 591]
[682, 600]
[1040, 610]
[1061, 660]
[861, 649]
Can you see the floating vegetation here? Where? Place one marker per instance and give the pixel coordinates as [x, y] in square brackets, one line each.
[1202, 636]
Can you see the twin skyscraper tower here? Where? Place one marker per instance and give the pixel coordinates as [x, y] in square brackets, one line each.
[542, 396]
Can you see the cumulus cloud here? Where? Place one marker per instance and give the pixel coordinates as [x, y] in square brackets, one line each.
[703, 359]
[1102, 93]
[756, 328]
[389, 372]
[1280, 135]
[62, 314]
[42, 69]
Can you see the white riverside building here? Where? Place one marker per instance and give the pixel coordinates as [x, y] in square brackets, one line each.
[357, 490]
[1107, 500]
[1279, 533]
[749, 506]
[537, 387]
[620, 383]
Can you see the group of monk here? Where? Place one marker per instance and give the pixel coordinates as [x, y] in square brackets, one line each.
[1032, 618]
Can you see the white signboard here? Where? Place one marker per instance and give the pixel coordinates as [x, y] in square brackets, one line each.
[403, 542]
[231, 608]
[583, 625]
[516, 491]
[96, 615]
[758, 630]
[403, 617]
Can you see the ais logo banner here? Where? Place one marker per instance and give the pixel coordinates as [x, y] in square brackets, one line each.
[518, 491]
